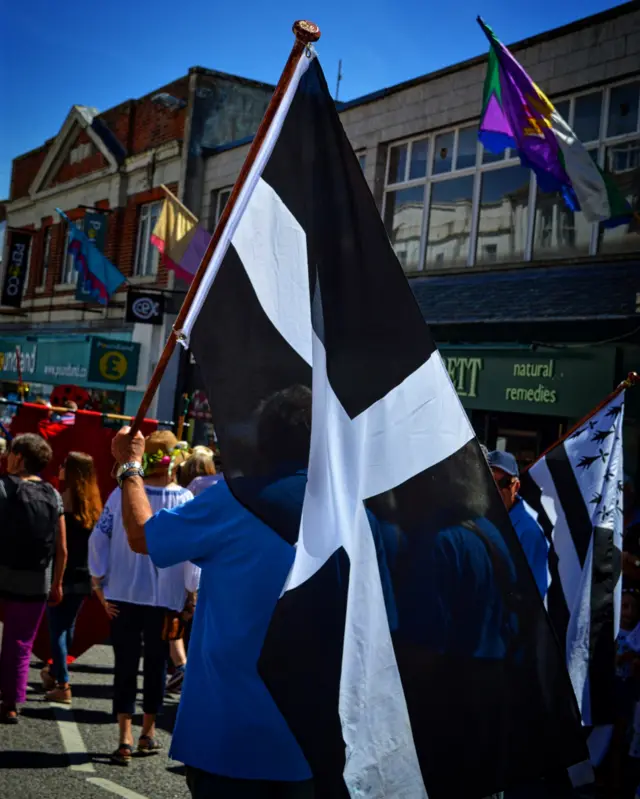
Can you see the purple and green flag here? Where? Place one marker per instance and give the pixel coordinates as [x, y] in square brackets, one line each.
[516, 113]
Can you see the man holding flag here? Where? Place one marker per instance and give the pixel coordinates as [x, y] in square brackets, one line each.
[370, 468]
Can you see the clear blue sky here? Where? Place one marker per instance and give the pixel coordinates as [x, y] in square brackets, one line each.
[53, 55]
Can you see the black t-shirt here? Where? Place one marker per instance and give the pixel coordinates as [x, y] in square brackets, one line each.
[77, 579]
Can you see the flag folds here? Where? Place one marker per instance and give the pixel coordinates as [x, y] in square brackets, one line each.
[410, 652]
[576, 492]
[100, 277]
[516, 113]
[180, 238]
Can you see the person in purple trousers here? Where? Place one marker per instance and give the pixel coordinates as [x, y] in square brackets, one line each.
[32, 536]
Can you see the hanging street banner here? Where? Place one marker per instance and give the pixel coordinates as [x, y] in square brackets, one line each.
[145, 307]
[16, 272]
[114, 362]
[95, 228]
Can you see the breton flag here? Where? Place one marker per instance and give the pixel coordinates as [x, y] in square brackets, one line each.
[410, 653]
[575, 490]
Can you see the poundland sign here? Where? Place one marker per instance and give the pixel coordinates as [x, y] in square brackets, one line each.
[555, 384]
[9, 354]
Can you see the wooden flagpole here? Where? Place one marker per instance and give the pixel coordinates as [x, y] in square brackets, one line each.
[173, 197]
[306, 33]
[19, 370]
[632, 379]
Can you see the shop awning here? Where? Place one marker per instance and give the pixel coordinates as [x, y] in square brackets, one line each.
[531, 294]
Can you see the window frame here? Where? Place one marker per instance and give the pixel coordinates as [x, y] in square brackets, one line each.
[142, 247]
[601, 144]
[217, 206]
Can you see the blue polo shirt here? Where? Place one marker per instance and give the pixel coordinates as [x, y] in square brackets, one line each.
[533, 541]
[227, 722]
[450, 601]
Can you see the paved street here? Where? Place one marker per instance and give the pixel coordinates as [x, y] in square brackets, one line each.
[57, 752]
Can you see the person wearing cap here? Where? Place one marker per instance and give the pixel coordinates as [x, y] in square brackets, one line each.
[506, 474]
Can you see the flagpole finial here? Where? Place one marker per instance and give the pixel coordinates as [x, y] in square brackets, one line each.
[633, 378]
[306, 32]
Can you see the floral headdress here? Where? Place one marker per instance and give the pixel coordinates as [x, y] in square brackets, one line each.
[162, 458]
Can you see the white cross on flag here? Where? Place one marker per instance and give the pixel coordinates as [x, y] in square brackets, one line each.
[410, 653]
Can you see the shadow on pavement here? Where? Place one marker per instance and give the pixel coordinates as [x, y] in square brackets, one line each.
[80, 715]
[32, 760]
[87, 668]
[91, 690]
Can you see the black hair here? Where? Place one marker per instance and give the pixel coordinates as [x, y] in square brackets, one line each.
[35, 451]
[284, 426]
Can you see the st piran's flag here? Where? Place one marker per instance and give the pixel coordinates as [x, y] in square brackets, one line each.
[410, 652]
[576, 492]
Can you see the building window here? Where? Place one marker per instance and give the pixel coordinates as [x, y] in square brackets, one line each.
[68, 266]
[362, 160]
[623, 109]
[586, 116]
[219, 199]
[450, 203]
[46, 255]
[504, 214]
[147, 255]
[622, 162]
[403, 221]
[449, 229]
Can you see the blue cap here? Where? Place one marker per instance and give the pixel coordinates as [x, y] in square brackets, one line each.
[504, 461]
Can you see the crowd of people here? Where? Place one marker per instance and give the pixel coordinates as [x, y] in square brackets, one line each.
[59, 548]
[172, 533]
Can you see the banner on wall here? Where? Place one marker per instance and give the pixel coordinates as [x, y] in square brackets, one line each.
[95, 228]
[16, 271]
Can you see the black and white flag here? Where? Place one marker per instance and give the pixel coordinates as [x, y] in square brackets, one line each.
[410, 653]
[576, 492]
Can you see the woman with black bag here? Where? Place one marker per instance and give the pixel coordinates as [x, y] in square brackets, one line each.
[32, 536]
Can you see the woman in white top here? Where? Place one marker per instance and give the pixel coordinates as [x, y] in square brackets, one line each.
[137, 597]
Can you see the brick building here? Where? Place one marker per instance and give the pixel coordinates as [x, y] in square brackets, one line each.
[517, 289]
[535, 310]
[113, 164]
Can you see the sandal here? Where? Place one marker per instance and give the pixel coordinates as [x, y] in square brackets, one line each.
[149, 747]
[122, 755]
[8, 715]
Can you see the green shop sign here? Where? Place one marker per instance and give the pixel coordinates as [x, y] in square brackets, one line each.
[114, 362]
[549, 382]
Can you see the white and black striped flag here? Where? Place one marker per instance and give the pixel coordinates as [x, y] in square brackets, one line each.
[410, 652]
[575, 490]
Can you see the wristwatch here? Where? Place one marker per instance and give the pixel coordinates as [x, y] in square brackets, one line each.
[129, 469]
